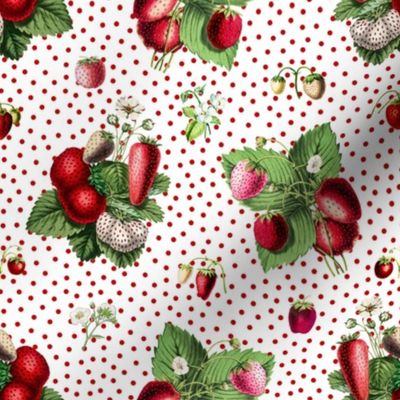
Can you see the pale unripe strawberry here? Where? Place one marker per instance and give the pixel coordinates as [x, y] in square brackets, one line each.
[391, 341]
[90, 72]
[250, 379]
[314, 86]
[8, 352]
[184, 273]
[278, 84]
[99, 147]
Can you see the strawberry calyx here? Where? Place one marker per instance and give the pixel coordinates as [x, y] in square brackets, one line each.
[278, 78]
[303, 305]
[208, 272]
[254, 166]
[107, 135]
[5, 375]
[88, 60]
[186, 267]
[349, 338]
[385, 260]
[227, 11]
[389, 331]
[148, 140]
[313, 77]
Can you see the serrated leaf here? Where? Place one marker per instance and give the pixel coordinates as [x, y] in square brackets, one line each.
[215, 120]
[50, 394]
[5, 376]
[120, 206]
[320, 141]
[84, 243]
[121, 260]
[14, 42]
[381, 371]
[189, 112]
[346, 9]
[195, 129]
[378, 56]
[114, 175]
[48, 218]
[337, 382]
[176, 342]
[196, 15]
[395, 383]
[160, 185]
[50, 18]
[301, 239]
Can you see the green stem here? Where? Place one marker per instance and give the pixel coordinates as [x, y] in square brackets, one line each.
[380, 98]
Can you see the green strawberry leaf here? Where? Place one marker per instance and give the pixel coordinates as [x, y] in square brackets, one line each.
[347, 9]
[50, 18]
[14, 42]
[381, 371]
[120, 207]
[84, 243]
[160, 185]
[337, 382]
[189, 112]
[48, 218]
[5, 376]
[50, 394]
[301, 239]
[121, 260]
[395, 383]
[196, 15]
[195, 129]
[320, 141]
[176, 342]
[378, 56]
[215, 120]
[110, 177]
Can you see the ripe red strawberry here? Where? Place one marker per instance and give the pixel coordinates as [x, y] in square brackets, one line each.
[384, 267]
[30, 368]
[161, 35]
[271, 232]
[224, 29]
[69, 170]
[353, 360]
[205, 282]
[338, 201]
[393, 114]
[83, 204]
[17, 10]
[250, 379]
[5, 123]
[396, 395]
[16, 265]
[302, 316]
[90, 72]
[396, 5]
[144, 159]
[17, 391]
[152, 10]
[159, 390]
[334, 238]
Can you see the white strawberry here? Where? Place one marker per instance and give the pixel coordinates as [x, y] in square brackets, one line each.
[392, 22]
[250, 379]
[121, 236]
[99, 147]
[247, 182]
[391, 341]
[8, 352]
[360, 30]
[378, 36]
[184, 273]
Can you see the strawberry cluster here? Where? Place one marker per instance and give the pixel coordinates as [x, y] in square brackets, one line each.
[24, 371]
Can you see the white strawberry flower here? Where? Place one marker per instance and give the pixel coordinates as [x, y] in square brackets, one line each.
[80, 316]
[217, 100]
[314, 164]
[204, 113]
[128, 107]
[180, 366]
[370, 307]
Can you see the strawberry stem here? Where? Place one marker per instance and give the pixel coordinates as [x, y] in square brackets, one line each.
[8, 253]
[381, 97]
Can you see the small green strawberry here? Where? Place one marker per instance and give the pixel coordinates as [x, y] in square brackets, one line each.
[391, 341]
[99, 147]
[278, 84]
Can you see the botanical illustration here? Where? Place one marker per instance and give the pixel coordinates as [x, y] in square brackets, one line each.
[20, 20]
[24, 372]
[370, 368]
[391, 107]
[103, 193]
[376, 27]
[184, 369]
[299, 199]
[9, 116]
[13, 258]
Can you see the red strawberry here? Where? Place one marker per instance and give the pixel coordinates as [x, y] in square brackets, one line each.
[16, 265]
[353, 360]
[69, 170]
[334, 238]
[338, 201]
[205, 282]
[396, 5]
[17, 10]
[393, 114]
[302, 317]
[250, 379]
[17, 391]
[271, 232]
[161, 35]
[224, 29]
[144, 159]
[83, 204]
[159, 390]
[152, 10]
[5, 123]
[90, 73]
[384, 267]
[396, 395]
[30, 368]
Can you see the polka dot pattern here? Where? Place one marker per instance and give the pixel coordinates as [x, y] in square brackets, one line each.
[202, 218]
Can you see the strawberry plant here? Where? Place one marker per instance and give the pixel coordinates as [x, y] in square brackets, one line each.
[184, 369]
[208, 29]
[366, 371]
[26, 19]
[103, 196]
[299, 200]
[391, 107]
[376, 30]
